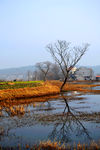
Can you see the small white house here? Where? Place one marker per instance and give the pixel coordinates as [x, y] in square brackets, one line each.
[84, 73]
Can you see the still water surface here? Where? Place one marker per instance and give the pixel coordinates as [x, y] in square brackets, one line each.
[69, 118]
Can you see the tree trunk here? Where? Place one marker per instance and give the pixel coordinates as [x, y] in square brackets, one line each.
[65, 99]
[45, 77]
[65, 80]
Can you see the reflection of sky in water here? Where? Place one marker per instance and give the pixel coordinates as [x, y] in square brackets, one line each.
[96, 88]
[90, 103]
[30, 129]
[49, 107]
[31, 135]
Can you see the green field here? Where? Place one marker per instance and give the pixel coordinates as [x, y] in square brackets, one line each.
[19, 84]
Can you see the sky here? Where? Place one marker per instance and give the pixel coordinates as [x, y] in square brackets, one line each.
[27, 26]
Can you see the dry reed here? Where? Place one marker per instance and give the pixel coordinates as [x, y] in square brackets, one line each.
[48, 88]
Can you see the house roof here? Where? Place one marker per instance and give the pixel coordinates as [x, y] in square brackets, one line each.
[98, 76]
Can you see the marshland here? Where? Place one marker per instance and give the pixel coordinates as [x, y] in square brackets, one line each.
[45, 115]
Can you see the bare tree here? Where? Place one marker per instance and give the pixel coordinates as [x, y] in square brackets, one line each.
[65, 56]
[54, 73]
[44, 67]
[35, 75]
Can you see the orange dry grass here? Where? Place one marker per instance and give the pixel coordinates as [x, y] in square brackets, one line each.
[48, 145]
[44, 90]
[80, 87]
[48, 88]
[76, 87]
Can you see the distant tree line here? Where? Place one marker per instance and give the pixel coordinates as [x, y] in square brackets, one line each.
[51, 71]
[45, 71]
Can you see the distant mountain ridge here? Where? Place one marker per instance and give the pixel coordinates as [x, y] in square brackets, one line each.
[21, 72]
[16, 73]
[96, 69]
[17, 70]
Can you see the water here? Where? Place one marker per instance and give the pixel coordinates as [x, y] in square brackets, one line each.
[69, 118]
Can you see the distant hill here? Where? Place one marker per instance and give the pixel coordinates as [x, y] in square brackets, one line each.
[16, 73]
[96, 69]
[21, 72]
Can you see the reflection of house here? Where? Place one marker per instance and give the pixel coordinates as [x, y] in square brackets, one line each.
[98, 77]
[84, 73]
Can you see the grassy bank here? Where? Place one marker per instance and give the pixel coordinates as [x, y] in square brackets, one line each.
[29, 92]
[73, 86]
[42, 89]
[49, 145]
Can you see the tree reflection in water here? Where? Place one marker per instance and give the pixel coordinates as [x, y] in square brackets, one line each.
[69, 126]
[66, 124]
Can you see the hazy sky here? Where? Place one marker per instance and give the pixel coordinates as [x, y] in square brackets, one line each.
[27, 26]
